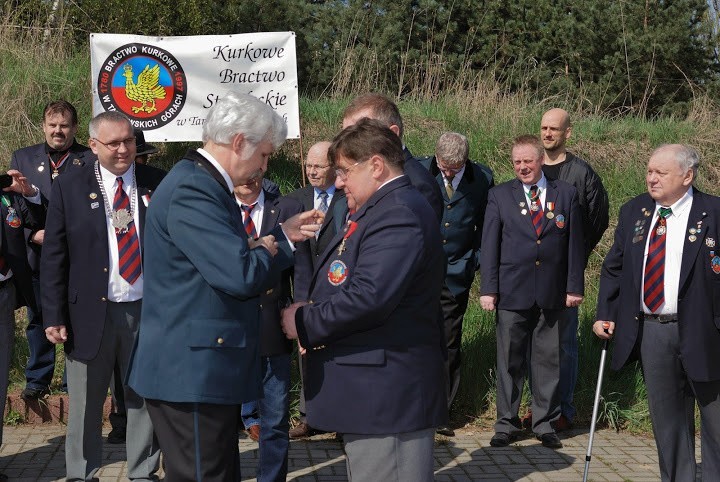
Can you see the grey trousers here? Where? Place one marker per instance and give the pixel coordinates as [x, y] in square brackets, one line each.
[528, 339]
[401, 457]
[7, 340]
[88, 384]
[672, 397]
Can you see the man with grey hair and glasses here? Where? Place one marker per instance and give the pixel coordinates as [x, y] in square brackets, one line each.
[197, 356]
[464, 186]
[659, 300]
[92, 283]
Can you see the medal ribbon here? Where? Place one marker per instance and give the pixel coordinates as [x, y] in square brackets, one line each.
[127, 240]
[57, 165]
[654, 276]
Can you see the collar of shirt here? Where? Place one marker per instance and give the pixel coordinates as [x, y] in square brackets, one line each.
[389, 181]
[541, 184]
[456, 178]
[217, 166]
[679, 207]
[257, 212]
[330, 192]
[110, 181]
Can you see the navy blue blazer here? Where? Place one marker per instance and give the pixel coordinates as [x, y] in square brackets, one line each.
[375, 343]
[521, 268]
[424, 182]
[272, 339]
[33, 162]
[15, 219]
[309, 251]
[74, 268]
[462, 222]
[699, 288]
[199, 336]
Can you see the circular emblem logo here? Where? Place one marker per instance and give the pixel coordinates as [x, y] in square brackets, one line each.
[12, 219]
[560, 221]
[715, 264]
[338, 272]
[144, 82]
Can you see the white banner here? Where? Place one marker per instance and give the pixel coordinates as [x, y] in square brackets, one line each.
[166, 85]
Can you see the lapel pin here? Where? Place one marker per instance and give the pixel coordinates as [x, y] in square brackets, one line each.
[692, 238]
[93, 195]
[710, 242]
[523, 212]
[94, 205]
[41, 168]
[550, 215]
[522, 205]
[76, 162]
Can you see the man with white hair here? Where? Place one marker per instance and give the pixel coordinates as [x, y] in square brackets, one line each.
[197, 356]
[660, 300]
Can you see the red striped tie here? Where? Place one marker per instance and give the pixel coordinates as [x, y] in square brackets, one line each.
[128, 243]
[654, 278]
[536, 209]
[248, 222]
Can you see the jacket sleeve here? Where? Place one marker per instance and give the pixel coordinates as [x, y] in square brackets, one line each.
[490, 253]
[598, 207]
[610, 275]
[54, 263]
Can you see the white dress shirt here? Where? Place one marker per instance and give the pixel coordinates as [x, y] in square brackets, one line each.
[257, 211]
[677, 226]
[119, 290]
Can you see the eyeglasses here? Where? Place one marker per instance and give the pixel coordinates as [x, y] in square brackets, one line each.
[342, 173]
[115, 145]
[311, 167]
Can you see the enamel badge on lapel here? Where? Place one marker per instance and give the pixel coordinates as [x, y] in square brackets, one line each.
[710, 242]
[645, 212]
[76, 162]
[146, 199]
[41, 168]
[560, 221]
[94, 205]
[338, 273]
[692, 238]
[714, 262]
[12, 219]
[550, 215]
[523, 212]
[92, 195]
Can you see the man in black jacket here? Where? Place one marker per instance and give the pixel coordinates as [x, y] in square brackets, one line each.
[555, 130]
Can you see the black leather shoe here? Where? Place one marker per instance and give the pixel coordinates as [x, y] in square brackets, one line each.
[30, 394]
[445, 430]
[502, 439]
[550, 440]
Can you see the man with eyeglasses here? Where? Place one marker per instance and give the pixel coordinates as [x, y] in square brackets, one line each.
[92, 290]
[465, 185]
[40, 165]
[375, 369]
[320, 194]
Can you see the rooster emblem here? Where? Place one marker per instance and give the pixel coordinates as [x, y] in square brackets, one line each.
[147, 88]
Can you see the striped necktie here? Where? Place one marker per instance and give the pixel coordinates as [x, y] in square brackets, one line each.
[248, 222]
[449, 187]
[536, 210]
[654, 276]
[127, 241]
[323, 206]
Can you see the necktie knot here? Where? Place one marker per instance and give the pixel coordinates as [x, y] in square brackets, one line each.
[323, 206]
[247, 209]
[665, 212]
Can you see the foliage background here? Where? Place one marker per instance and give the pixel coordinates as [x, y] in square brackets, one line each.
[633, 73]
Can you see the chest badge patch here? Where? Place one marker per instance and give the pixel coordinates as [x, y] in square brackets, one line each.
[12, 219]
[560, 221]
[715, 264]
[338, 273]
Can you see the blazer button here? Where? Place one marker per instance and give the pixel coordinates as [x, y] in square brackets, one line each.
[103, 299]
[538, 241]
[105, 270]
[444, 241]
[220, 341]
[261, 307]
[269, 292]
[537, 263]
[447, 225]
[449, 206]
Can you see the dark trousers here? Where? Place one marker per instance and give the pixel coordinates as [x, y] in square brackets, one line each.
[671, 398]
[453, 312]
[198, 440]
[41, 362]
[516, 330]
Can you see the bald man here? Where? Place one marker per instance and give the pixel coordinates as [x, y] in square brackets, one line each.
[555, 130]
[319, 194]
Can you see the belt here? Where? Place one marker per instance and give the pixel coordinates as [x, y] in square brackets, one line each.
[669, 318]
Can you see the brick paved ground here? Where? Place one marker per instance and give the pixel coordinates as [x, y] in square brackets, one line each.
[35, 452]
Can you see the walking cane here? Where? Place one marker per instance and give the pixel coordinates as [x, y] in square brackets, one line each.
[588, 455]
